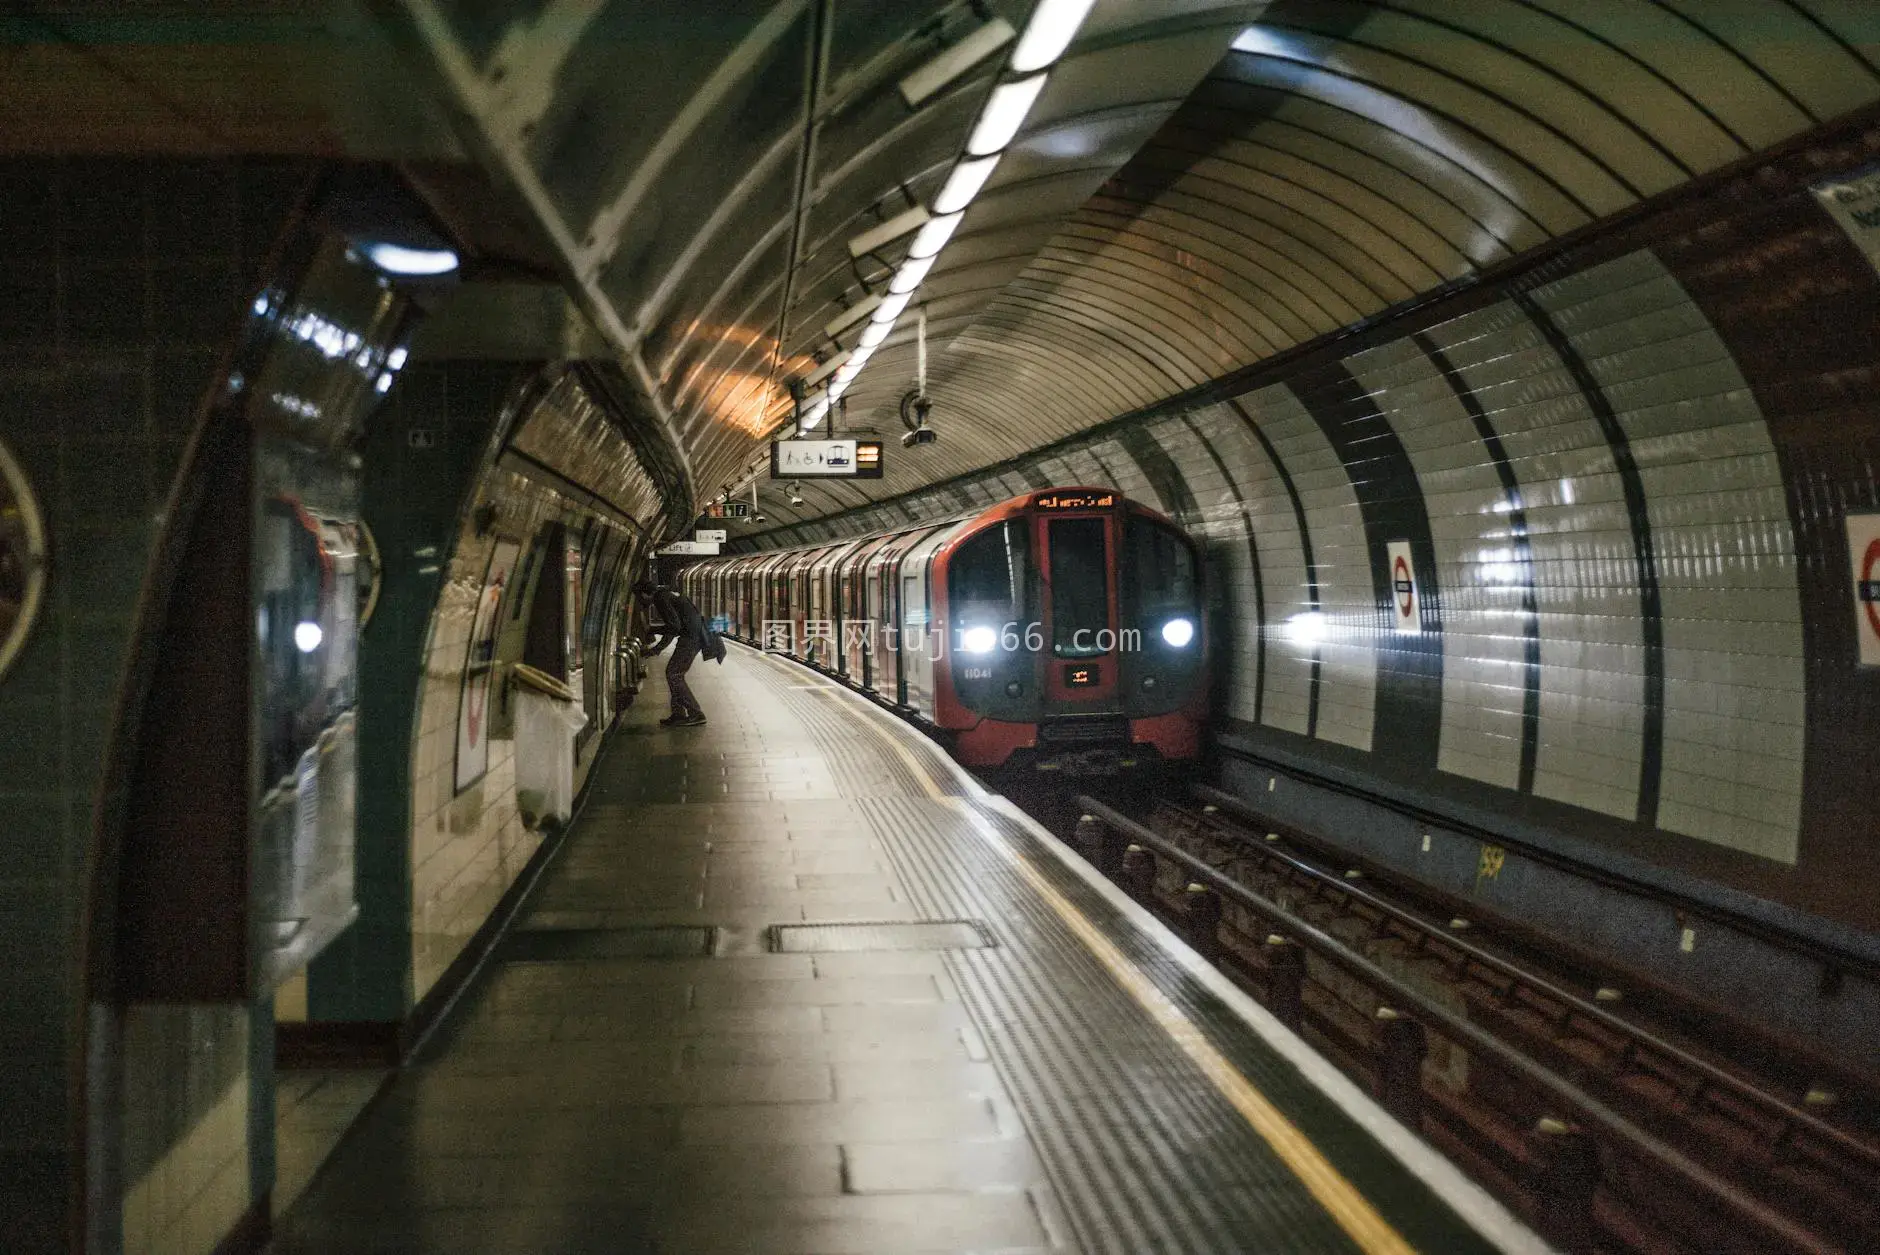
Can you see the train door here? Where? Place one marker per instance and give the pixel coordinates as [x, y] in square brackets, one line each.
[1077, 556]
[923, 642]
[878, 610]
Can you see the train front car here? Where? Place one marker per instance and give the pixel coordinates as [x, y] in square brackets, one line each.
[1075, 635]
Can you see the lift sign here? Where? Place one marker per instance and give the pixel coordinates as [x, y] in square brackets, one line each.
[1407, 614]
[1863, 551]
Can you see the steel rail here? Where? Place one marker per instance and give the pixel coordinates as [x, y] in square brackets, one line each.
[1665, 1156]
[1578, 1004]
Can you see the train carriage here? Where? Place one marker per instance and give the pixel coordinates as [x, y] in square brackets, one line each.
[1063, 628]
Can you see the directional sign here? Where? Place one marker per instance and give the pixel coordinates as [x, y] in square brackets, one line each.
[728, 510]
[1863, 552]
[825, 459]
[689, 549]
[709, 535]
[1404, 595]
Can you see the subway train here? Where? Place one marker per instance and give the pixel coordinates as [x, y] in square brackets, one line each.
[1062, 630]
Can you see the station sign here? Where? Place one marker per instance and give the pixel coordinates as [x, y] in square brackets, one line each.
[690, 549]
[709, 535]
[1405, 596]
[1863, 553]
[825, 459]
[1075, 501]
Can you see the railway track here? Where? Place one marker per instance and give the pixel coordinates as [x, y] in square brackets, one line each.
[1607, 1130]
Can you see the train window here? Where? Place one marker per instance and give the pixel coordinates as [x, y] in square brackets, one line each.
[1161, 569]
[1080, 599]
[986, 575]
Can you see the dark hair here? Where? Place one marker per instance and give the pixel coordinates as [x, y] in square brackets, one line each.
[646, 588]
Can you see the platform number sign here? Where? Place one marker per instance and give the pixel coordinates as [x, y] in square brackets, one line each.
[1863, 551]
[1405, 596]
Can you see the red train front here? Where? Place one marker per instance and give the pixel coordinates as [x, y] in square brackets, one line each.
[1062, 628]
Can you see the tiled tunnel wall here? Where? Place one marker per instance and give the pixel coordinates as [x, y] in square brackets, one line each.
[115, 308]
[1621, 472]
[469, 845]
[118, 310]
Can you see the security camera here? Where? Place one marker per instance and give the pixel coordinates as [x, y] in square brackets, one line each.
[919, 436]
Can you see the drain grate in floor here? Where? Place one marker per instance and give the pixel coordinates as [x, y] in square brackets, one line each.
[563, 944]
[946, 934]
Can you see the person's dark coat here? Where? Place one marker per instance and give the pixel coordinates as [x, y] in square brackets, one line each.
[680, 618]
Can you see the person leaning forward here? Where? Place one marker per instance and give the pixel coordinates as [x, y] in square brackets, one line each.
[680, 622]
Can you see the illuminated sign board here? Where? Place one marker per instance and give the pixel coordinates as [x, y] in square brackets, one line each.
[1083, 676]
[728, 510]
[1074, 501]
[825, 459]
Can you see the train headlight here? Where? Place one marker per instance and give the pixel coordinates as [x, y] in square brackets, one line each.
[1178, 632]
[979, 640]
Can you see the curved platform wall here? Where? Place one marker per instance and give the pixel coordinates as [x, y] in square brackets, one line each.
[1622, 472]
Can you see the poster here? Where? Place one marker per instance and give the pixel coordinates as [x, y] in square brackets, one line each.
[473, 699]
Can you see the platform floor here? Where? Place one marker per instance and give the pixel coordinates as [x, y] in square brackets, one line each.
[635, 1069]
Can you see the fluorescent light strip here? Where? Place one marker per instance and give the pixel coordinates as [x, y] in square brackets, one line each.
[934, 236]
[912, 271]
[827, 369]
[813, 415]
[957, 60]
[396, 259]
[850, 316]
[964, 183]
[891, 307]
[1054, 23]
[889, 231]
[1004, 114]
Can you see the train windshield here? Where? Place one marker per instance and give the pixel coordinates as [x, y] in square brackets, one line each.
[986, 577]
[1161, 568]
[1080, 598]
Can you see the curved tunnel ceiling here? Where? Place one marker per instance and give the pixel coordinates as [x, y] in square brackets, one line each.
[1174, 209]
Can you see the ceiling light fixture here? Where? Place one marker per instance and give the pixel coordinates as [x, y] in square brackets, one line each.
[934, 236]
[850, 316]
[1004, 114]
[975, 47]
[1054, 23]
[396, 259]
[889, 231]
[964, 183]
[827, 369]
[891, 306]
[814, 412]
[912, 271]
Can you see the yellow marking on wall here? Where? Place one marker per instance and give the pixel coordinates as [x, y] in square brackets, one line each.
[1348, 1207]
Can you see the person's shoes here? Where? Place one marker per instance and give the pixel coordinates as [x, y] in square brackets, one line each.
[673, 721]
[690, 721]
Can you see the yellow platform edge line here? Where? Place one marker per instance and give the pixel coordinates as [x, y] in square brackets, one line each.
[1343, 1201]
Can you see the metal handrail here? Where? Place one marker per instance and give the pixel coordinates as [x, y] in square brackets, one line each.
[1463, 1030]
[1590, 1010]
